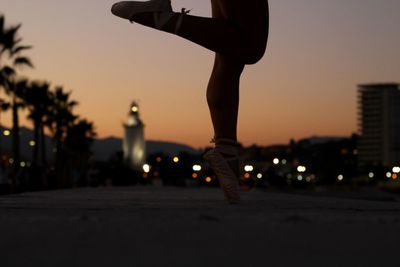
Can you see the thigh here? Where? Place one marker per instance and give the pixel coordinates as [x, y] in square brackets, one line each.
[250, 16]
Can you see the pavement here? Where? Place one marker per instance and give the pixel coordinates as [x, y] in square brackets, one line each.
[150, 226]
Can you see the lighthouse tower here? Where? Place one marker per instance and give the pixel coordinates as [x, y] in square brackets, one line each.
[134, 145]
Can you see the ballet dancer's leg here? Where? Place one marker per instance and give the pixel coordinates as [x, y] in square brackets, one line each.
[241, 32]
[238, 33]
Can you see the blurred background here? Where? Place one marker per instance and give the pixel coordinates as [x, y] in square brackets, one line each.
[88, 99]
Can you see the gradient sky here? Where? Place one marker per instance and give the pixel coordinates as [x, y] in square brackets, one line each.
[306, 84]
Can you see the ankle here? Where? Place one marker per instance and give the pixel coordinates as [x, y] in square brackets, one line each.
[227, 147]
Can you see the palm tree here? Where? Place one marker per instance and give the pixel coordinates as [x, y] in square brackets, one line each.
[60, 120]
[10, 60]
[37, 97]
[18, 89]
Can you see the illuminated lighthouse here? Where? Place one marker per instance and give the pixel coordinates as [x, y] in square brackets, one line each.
[134, 145]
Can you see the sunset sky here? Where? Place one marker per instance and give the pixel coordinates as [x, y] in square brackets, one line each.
[305, 85]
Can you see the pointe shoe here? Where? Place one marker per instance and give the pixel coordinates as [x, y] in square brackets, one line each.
[227, 178]
[161, 9]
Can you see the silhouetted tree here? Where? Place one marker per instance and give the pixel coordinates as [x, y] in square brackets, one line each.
[60, 120]
[10, 60]
[38, 101]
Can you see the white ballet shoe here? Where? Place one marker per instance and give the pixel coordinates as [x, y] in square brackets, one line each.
[161, 9]
[227, 178]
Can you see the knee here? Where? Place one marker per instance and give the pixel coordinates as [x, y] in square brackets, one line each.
[253, 54]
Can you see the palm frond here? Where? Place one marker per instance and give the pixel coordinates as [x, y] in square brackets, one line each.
[5, 74]
[23, 61]
[18, 49]
[7, 71]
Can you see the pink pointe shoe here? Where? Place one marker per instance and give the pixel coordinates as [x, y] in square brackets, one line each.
[227, 178]
[161, 9]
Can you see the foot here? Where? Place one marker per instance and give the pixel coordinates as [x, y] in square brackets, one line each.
[156, 14]
[128, 9]
[225, 168]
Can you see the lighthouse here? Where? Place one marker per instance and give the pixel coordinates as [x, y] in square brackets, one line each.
[134, 145]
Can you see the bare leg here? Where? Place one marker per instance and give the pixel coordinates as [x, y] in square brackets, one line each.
[238, 33]
[240, 30]
[223, 96]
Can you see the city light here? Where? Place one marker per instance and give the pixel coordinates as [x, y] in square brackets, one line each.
[11, 161]
[195, 175]
[23, 164]
[301, 169]
[247, 175]
[300, 178]
[248, 168]
[395, 176]
[308, 179]
[259, 176]
[276, 161]
[158, 159]
[135, 109]
[196, 168]
[208, 179]
[284, 161]
[32, 143]
[371, 175]
[6, 133]
[146, 168]
[389, 175]
[340, 177]
[175, 159]
[396, 169]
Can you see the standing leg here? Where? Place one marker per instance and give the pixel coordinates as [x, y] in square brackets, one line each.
[223, 102]
[223, 96]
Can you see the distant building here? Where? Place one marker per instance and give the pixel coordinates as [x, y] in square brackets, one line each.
[134, 145]
[379, 124]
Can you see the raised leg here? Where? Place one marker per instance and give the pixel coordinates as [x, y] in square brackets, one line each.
[240, 30]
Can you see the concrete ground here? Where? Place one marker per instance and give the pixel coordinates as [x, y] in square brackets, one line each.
[148, 226]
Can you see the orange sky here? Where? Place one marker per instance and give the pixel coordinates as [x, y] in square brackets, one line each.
[305, 85]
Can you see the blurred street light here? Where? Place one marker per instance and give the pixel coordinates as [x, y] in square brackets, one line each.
[146, 168]
[248, 168]
[196, 168]
[301, 169]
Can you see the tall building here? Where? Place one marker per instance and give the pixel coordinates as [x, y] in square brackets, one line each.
[134, 145]
[379, 122]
